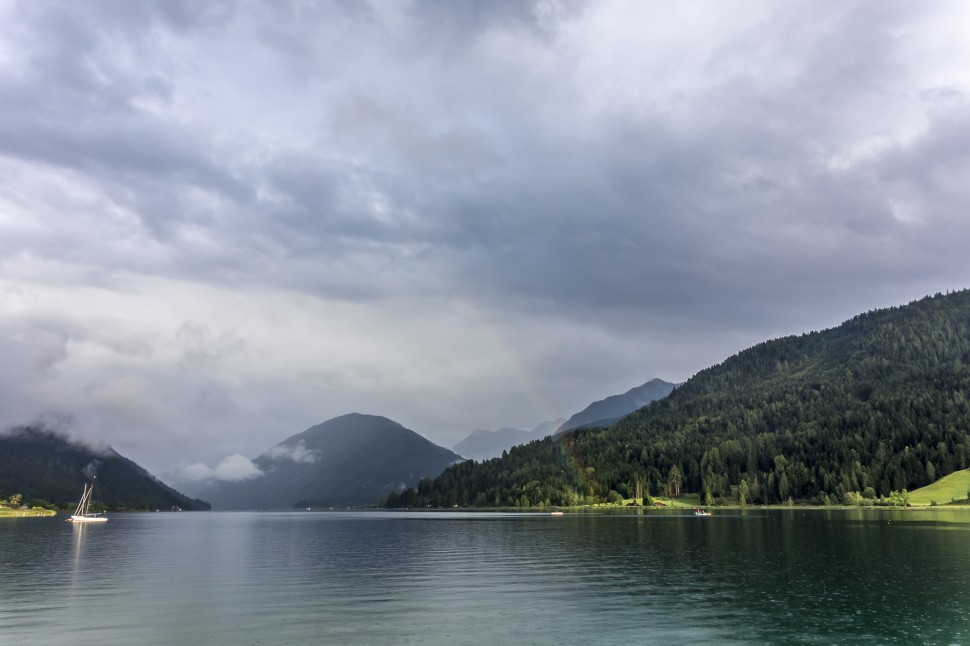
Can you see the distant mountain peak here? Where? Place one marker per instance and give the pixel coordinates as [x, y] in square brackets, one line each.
[482, 444]
[353, 459]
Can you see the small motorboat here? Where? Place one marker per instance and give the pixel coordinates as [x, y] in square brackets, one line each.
[701, 512]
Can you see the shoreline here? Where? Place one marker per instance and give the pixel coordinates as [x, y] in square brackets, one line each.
[965, 506]
[26, 513]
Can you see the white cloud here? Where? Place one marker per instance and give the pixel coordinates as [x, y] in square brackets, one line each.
[298, 453]
[233, 468]
[194, 472]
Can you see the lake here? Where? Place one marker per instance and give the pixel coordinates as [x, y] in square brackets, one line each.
[752, 576]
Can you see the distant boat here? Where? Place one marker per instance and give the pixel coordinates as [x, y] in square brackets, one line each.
[82, 513]
[555, 513]
[701, 512]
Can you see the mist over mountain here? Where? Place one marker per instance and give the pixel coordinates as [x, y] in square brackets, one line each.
[41, 463]
[484, 444]
[607, 411]
[353, 459]
[545, 429]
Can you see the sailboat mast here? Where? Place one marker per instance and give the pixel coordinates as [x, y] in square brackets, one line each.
[81, 503]
[94, 483]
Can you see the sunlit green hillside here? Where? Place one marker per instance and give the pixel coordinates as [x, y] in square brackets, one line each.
[954, 487]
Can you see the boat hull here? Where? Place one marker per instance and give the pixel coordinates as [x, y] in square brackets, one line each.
[87, 519]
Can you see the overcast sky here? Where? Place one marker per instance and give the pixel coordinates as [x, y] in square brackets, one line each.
[222, 223]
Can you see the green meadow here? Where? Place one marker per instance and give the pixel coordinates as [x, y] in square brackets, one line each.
[953, 488]
[687, 501]
[7, 512]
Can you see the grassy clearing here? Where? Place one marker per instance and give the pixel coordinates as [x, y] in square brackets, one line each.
[690, 500]
[8, 512]
[953, 487]
[687, 501]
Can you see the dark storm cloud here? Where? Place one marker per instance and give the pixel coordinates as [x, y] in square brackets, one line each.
[606, 216]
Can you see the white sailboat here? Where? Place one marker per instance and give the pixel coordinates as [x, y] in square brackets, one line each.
[81, 514]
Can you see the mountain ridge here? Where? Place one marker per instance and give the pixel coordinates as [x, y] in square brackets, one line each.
[482, 444]
[611, 409]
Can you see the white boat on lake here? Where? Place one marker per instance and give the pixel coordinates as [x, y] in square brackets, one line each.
[83, 514]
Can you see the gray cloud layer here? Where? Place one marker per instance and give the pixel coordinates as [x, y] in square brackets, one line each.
[221, 223]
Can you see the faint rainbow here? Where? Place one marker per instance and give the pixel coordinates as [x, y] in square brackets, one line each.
[497, 341]
[528, 383]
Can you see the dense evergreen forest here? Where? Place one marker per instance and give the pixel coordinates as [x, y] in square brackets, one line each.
[876, 405]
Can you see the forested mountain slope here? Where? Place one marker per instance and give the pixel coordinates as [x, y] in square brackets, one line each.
[875, 405]
[39, 463]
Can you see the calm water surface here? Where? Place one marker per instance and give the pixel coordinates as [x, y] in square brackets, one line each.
[815, 577]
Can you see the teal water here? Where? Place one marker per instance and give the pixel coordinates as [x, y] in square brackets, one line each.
[812, 577]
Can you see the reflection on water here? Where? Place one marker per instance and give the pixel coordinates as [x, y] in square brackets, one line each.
[840, 576]
[78, 530]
